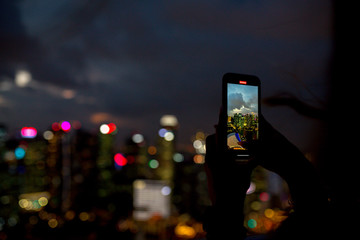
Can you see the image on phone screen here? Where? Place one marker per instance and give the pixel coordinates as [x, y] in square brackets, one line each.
[242, 115]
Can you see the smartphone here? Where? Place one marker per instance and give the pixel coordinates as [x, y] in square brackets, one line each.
[241, 111]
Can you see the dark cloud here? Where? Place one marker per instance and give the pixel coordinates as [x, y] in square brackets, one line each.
[237, 104]
[21, 50]
[137, 61]
[15, 44]
[278, 19]
[236, 100]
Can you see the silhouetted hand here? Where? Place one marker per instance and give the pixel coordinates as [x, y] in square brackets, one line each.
[228, 182]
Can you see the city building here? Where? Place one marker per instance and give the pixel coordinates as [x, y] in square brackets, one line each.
[166, 145]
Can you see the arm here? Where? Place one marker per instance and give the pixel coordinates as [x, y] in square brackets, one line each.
[229, 181]
[279, 155]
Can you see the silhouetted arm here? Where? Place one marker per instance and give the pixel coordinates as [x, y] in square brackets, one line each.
[228, 183]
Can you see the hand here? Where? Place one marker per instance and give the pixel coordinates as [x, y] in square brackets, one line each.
[226, 177]
[228, 182]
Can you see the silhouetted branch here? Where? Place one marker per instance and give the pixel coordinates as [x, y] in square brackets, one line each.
[296, 104]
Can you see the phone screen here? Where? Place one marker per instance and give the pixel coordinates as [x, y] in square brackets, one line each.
[242, 115]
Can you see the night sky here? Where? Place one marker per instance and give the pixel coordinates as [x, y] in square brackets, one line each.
[130, 62]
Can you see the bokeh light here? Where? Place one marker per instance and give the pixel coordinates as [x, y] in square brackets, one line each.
[108, 128]
[65, 126]
[55, 127]
[48, 135]
[162, 132]
[137, 138]
[269, 213]
[166, 190]
[120, 160]
[153, 163]
[178, 157]
[20, 153]
[168, 121]
[84, 216]
[28, 132]
[264, 196]
[104, 129]
[256, 205]
[252, 223]
[199, 159]
[185, 232]
[43, 201]
[53, 223]
[22, 78]
[112, 128]
[152, 150]
[169, 136]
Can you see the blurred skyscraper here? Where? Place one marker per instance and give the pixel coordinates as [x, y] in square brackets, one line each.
[166, 148]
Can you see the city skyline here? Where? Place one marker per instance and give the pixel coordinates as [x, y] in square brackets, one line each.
[70, 178]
